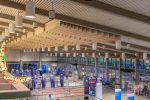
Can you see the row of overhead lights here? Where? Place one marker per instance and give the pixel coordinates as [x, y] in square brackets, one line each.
[29, 13]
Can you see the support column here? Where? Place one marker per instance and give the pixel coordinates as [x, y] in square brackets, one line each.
[87, 66]
[120, 73]
[95, 66]
[40, 62]
[21, 64]
[107, 70]
[137, 79]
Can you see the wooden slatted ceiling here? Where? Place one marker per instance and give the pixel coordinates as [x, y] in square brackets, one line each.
[58, 33]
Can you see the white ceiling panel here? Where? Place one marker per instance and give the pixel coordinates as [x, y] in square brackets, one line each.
[138, 6]
[80, 11]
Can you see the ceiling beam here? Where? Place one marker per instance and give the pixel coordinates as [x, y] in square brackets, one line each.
[7, 24]
[9, 17]
[19, 6]
[113, 9]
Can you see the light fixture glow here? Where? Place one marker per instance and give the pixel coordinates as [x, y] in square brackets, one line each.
[77, 47]
[144, 56]
[30, 9]
[66, 48]
[94, 46]
[106, 55]
[19, 21]
[7, 34]
[51, 14]
[11, 28]
[123, 55]
[118, 44]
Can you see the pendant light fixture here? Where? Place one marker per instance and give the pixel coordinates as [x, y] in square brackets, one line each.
[11, 28]
[33, 50]
[56, 49]
[61, 54]
[123, 55]
[3, 35]
[65, 48]
[43, 49]
[49, 49]
[67, 54]
[106, 55]
[136, 54]
[83, 54]
[74, 54]
[115, 54]
[118, 44]
[144, 56]
[7, 34]
[38, 49]
[93, 55]
[18, 21]
[1, 38]
[103, 47]
[128, 46]
[77, 47]
[35, 24]
[30, 9]
[55, 54]
[94, 46]
[52, 12]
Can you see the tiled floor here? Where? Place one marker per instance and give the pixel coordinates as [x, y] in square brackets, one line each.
[76, 93]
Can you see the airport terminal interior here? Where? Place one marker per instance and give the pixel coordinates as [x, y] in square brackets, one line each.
[74, 49]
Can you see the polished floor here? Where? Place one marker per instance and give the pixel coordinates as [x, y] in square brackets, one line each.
[73, 90]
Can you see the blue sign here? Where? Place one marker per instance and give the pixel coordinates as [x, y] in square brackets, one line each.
[43, 68]
[118, 94]
[131, 98]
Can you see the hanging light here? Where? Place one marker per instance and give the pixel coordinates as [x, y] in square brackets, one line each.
[85, 48]
[123, 55]
[94, 46]
[51, 54]
[115, 54]
[33, 49]
[24, 50]
[30, 9]
[144, 56]
[103, 47]
[3, 35]
[128, 46]
[67, 54]
[51, 14]
[7, 34]
[65, 48]
[19, 21]
[56, 48]
[83, 54]
[56, 54]
[11, 28]
[136, 54]
[49, 49]
[106, 55]
[93, 55]
[74, 54]
[118, 44]
[1, 38]
[35, 25]
[99, 54]
[43, 49]
[38, 49]
[77, 47]
[61, 54]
